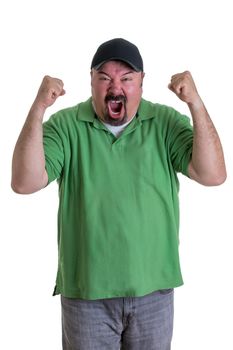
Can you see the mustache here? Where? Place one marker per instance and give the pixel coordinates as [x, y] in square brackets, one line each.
[116, 98]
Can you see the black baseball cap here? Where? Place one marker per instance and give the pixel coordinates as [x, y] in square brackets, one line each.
[118, 50]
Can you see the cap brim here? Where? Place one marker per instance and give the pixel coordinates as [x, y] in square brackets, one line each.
[98, 66]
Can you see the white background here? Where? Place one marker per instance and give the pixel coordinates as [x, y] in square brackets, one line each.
[59, 38]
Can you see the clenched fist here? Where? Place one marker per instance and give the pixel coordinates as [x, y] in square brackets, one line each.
[49, 91]
[182, 84]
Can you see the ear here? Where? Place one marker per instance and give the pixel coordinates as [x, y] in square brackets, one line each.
[142, 77]
[91, 74]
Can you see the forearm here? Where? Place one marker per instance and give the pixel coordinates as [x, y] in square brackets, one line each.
[28, 165]
[207, 165]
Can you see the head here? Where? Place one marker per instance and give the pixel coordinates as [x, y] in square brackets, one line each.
[116, 80]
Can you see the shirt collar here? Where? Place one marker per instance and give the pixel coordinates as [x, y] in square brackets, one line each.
[86, 111]
[146, 110]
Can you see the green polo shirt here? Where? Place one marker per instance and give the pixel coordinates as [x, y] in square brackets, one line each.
[118, 217]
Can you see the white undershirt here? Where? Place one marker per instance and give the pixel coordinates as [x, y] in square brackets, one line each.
[117, 130]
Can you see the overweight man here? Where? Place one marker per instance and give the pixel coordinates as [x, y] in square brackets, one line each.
[116, 157]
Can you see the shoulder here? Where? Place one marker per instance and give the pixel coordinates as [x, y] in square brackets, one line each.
[70, 115]
[159, 112]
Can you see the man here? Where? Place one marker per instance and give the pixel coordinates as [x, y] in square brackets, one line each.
[116, 158]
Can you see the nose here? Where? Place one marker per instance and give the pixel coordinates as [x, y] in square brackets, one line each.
[115, 87]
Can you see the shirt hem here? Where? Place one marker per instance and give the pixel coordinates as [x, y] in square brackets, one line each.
[112, 294]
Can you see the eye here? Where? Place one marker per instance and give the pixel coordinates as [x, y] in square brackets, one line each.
[127, 79]
[104, 78]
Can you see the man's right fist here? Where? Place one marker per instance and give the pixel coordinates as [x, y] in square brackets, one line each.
[49, 91]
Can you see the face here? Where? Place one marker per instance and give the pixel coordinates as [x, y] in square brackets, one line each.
[116, 92]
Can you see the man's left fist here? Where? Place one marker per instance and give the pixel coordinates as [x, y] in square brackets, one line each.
[182, 84]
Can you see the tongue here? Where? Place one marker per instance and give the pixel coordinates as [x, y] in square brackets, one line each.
[115, 107]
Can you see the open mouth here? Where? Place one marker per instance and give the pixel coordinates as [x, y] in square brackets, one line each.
[116, 106]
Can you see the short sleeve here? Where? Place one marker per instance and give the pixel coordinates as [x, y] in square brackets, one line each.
[53, 148]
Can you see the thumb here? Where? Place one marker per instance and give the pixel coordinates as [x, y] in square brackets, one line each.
[62, 92]
[176, 88]
[55, 95]
[172, 88]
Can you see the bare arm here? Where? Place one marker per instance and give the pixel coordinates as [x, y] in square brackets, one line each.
[207, 165]
[28, 165]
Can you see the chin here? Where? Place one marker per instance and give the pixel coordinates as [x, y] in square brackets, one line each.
[115, 122]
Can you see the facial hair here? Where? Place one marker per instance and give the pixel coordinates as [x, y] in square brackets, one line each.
[107, 118]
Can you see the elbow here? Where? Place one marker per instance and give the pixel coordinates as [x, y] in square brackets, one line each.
[19, 189]
[16, 189]
[214, 180]
[24, 188]
[214, 177]
[28, 185]
[218, 180]
[15, 186]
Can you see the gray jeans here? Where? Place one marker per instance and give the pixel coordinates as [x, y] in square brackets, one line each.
[139, 323]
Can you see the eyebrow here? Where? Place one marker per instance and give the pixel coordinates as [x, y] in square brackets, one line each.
[131, 71]
[102, 72]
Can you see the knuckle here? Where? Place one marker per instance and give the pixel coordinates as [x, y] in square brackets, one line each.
[47, 77]
[187, 73]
